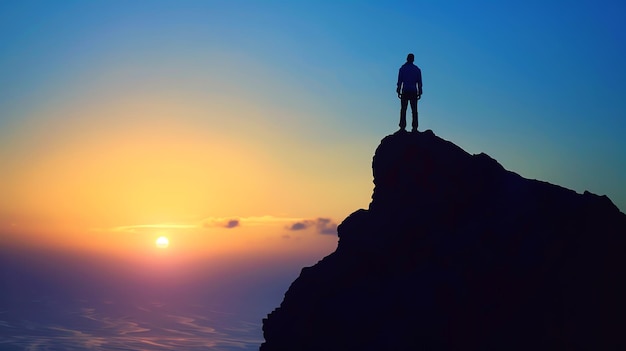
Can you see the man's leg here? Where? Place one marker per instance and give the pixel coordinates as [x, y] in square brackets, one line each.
[414, 113]
[403, 105]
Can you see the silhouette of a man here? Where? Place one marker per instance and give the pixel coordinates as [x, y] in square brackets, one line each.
[409, 90]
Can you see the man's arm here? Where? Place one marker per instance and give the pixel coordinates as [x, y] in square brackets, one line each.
[419, 82]
[399, 84]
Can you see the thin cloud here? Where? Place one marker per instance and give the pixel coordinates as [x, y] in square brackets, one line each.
[321, 225]
[144, 227]
[253, 221]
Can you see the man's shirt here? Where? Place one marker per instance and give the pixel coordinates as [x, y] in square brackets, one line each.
[410, 78]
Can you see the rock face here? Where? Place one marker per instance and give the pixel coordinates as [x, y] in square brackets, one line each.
[457, 253]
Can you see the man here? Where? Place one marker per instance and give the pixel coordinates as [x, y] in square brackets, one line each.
[409, 90]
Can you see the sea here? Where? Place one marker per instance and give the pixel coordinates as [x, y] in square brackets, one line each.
[63, 302]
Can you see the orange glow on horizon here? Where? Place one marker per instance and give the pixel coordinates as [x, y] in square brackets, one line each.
[143, 174]
[105, 177]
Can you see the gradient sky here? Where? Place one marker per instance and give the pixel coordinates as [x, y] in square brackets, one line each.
[124, 120]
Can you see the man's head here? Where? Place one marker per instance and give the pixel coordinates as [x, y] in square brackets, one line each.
[410, 58]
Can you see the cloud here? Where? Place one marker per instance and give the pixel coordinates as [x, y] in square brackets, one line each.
[326, 226]
[301, 225]
[232, 223]
[221, 223]
[321, 225]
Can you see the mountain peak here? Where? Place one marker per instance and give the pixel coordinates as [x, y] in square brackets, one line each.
[417, 169]
[455, 252]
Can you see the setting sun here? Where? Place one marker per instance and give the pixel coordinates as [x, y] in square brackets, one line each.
[162, 242]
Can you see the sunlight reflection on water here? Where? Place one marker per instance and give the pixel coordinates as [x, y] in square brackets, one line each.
[105, 326]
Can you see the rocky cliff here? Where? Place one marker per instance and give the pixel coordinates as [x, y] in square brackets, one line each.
[457, 253]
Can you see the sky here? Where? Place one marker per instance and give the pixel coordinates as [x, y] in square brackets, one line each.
[117, 114]
[246, 129]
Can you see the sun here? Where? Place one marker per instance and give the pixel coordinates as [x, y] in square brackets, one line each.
[162, 242]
